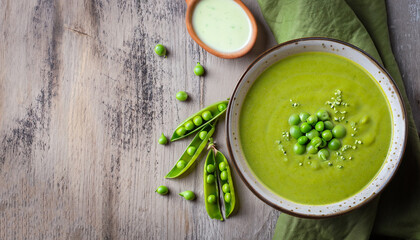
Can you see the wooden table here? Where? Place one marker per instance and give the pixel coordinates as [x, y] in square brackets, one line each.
[83, 100]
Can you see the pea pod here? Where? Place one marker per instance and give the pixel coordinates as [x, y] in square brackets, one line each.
[187, 160]
[209, 114]
[226, 182]
[211, 189]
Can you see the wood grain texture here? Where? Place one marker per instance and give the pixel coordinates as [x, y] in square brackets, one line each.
[83, 100]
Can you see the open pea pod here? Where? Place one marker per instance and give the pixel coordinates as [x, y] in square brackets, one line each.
[225, 179]
[211, 189]
[188, 158]
[199, 120]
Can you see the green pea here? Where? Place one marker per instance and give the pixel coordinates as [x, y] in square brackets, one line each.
[160, 50]
[224, 175]
[319, 126]
[197, 120]
[198, 69]
[303, 116]
[323, 144]
[162, 190]
[163, 140]
[181, 131]
[191, 150]
[295, 132]
[324, 154]
[211, 199]
[228, 197]
[316, 142]
[222, 166]
[313, 119]
[202, 135]
[181, 96]
[221, 107]
[294, 119]
[302, 140]
[328, 125]
[339, 131]
[323, 115]
[226, 188]
[189, 125]
[299, 149]
[181, 164]
[210, 179]
[334, 144]
[210, 168]
[305, 127]
[189, 195]
[311, 149]
[207, 115]
[313, 133]
[327, 135]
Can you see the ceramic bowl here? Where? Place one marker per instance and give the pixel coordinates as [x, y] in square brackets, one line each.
[381, 76]
[188, 21]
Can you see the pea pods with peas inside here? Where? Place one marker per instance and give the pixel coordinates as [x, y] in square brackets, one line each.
[211, 189]
[227, 184]
[195, 147]
[189, 126]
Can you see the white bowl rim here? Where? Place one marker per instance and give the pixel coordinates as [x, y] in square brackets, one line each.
[340, 211]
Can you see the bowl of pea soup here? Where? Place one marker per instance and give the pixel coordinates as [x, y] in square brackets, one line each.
[316, 127]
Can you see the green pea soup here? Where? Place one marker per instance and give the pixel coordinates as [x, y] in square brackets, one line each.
[306, 82]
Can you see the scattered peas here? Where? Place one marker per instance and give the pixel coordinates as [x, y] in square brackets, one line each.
[188, 195]
[180, 164]
[322, 115]
[319, 126]
[299, 149]
[334, 144]
[210, 168]
[228, 197]
[207, 115]
[221, 107]
[295, 131]
[226, 188]
[197, 120]
[328, 125]
[189, 125]
[202, 135]
[224, 175]
[160, 50]
[313, 133]
[339, 131]
[222, 166]
[198, 69]
[313, 119]
[294, 119]
[163, 140]
[327, 135]
[181, 131]
[181, 96]
[305, 127]
[210, 179]
[162, 190]
[324, 154]
[191, 150]
[211, 199]
[303, 116]
[302, 140]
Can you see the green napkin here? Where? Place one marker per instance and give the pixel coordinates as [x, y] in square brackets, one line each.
[396, 213]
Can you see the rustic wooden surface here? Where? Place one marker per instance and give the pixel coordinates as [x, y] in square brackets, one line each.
[83, 100]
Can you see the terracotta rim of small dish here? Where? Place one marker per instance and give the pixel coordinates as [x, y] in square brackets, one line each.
[188, 21]
[260, 196]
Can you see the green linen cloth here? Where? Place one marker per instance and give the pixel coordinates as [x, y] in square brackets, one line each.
[396, 213]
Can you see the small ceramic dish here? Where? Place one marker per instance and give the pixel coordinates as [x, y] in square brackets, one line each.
[384, 80]
[241, 52]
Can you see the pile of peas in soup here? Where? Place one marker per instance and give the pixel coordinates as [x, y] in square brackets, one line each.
[278, 127]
